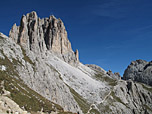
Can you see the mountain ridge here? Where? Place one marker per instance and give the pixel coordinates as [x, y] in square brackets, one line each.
[41, 35]
[61, 78]
[140, 71]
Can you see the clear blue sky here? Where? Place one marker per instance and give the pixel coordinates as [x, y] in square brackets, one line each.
[109, 33]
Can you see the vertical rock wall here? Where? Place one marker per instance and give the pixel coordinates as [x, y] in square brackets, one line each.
[39, 35]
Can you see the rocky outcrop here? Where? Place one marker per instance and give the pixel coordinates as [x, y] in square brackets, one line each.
[2, 35]
[37, 74]
[99, 70]
[131, 98]
[77, 55]
[115, 75]
[39, 35]
[140, 71]
[128, 97]
[96, 68]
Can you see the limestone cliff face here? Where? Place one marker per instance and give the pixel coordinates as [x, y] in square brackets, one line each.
[41, 35]
[140, 71]
[36, 72]
[42, 40]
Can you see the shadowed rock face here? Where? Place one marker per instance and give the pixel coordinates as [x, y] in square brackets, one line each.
[140, 71]
[40, 35]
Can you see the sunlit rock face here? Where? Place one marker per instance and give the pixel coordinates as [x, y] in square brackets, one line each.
[41, 35]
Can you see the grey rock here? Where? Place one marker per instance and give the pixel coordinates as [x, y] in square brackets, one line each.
[14, 32]
[96, 68]
[134, 96]
[39, 35]
[37, 74]
[3, 36]
[128, 97]
[109, 73]
[77, 55]
[44, 57]
[140, 71]
[115, 75]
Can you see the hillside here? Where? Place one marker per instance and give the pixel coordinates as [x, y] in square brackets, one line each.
[42, 73]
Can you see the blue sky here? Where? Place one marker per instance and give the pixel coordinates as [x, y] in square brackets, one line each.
[109, 33]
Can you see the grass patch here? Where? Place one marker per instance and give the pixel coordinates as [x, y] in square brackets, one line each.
[147, 107]
[117, 99]
[94, 111]
[25, 97]
[10, 66]
[148, 88]
[26, 58]
[105, 108]
[81, 101]
[20, 93]
[66, 113]
[102, 77]
[52, 68]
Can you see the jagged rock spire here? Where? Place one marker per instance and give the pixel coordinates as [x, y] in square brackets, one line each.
[77, 54]
[39, 35]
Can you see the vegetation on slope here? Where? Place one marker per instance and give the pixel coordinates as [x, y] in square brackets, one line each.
[148, 88]
[84, 105]
[94, 111]
[102, 77]
[26, 58]
[20, 93]
[109, 102]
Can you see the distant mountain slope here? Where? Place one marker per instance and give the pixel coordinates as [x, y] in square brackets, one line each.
[140, 71]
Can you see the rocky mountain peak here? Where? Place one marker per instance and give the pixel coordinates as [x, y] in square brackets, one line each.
[139, 61]
[140, 71]
[41, 35]
[2, 35]
[34, 69]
